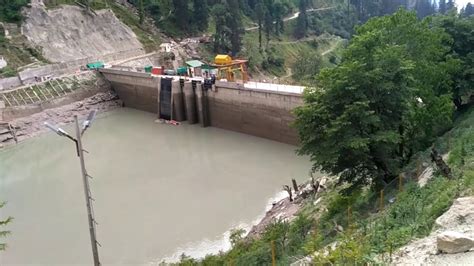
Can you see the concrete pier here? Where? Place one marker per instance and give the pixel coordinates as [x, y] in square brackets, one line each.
[177, 105]
[190, 102]
[202, 105]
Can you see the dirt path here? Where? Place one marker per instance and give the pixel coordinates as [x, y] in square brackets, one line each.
[331, 48]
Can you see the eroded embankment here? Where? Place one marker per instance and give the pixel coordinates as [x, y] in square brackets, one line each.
[76, 33]
[30, 126]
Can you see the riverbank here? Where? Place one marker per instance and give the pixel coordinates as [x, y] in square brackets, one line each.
[285, 210]
[33, 125]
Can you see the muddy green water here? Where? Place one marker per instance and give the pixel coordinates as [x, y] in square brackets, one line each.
[159, 190]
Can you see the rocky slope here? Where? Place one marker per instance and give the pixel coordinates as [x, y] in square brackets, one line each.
[77, 34]
[437, 248]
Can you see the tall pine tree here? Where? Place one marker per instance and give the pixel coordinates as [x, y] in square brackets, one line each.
[141, 12]
[442, 6]
[200, 14]
[468, 10]
[268, 19]
[234, 22]
[278, 11]
[181, 14]
[302, 20]
[450, 5]
[228, 36]
[260, 13]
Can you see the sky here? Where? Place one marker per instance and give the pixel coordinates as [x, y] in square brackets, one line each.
[462, 3]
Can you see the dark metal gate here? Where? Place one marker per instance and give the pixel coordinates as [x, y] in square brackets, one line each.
[165, 99]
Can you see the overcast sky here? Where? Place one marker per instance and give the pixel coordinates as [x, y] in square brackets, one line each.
[462, 3]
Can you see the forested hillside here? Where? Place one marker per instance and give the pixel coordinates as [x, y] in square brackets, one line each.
[273, 34]
[399, 102]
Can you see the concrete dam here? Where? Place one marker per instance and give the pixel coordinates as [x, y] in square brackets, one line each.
[263, 113]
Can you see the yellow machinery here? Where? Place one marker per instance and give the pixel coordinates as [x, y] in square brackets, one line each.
[229, 69]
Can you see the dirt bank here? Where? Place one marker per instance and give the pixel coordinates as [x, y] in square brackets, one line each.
[33, 125]
[286, 210]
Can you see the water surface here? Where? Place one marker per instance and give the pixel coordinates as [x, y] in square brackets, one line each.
[158, 189]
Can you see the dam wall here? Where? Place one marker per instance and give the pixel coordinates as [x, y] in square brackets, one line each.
[137, 90]
[265, 114]
[226, 105]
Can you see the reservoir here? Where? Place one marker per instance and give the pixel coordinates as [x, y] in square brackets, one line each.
[159, 190]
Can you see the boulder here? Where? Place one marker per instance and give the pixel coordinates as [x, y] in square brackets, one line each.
[460, 216]
[454, 242]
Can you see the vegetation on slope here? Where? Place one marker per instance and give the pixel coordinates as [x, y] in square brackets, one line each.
[10, 10]
[397, 72]
[17, 53]
[387, 100]
[363, 233]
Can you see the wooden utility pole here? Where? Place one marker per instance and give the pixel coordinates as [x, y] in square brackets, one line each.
[381, 200]
[273, 253]
[400, 183]
[87, 192]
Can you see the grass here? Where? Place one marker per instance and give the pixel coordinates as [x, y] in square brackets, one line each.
[282, 52]
[18, 55]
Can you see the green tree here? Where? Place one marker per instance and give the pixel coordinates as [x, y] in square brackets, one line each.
[10, 10]
[234, 22]
[468, 10]
[424, 8]
[268, 20]
[442, 6]
[450, 5]
[3, 223]
[306, 67]
[222, 35]
[259, 13]
[201, 14]
[302, 20]
[278, 13]
[389, 98]
[227, 17]
[460, 29]
[141, 12]
[181, 14]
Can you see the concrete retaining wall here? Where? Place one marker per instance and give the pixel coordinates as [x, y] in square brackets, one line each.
[28, 76]
[15, 112]
[8, 83]
[137, 90]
